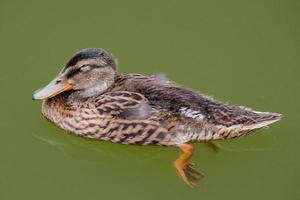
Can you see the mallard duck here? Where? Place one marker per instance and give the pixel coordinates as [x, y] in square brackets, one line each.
[89, 99]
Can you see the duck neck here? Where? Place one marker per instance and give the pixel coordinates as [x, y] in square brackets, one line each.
[82, 95]
[96, 90]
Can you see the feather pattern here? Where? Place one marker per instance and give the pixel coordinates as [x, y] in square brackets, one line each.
[143, 110]
[88, 99]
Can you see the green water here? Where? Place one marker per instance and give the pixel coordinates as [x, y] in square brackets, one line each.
[243, 52]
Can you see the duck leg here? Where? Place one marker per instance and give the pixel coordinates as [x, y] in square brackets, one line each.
[185, 169]
[215, 146]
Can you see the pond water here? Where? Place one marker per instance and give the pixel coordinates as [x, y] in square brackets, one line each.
[245, 53]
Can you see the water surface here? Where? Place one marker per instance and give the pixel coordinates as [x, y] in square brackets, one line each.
[246, 53]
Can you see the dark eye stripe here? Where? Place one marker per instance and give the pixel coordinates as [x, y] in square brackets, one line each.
[73, 72]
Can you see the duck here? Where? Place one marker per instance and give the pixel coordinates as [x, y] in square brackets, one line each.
[88, 98]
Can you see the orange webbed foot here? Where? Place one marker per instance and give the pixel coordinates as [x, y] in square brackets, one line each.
[185, 169]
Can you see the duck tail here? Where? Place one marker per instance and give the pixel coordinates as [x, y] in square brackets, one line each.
[262, 119]
[257, 120]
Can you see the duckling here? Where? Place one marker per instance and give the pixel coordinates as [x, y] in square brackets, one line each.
[89, 99]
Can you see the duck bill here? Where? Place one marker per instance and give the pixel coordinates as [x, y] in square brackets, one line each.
[55, 87]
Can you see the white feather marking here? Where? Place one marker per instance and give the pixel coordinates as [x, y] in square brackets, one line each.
[191, 113]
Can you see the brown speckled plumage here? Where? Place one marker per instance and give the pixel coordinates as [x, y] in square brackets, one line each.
[140, 109]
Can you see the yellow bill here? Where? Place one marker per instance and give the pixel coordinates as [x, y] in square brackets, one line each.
[55, 87]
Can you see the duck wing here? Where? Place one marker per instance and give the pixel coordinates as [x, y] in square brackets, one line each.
[194, 106]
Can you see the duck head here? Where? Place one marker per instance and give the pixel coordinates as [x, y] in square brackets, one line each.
[89, 72]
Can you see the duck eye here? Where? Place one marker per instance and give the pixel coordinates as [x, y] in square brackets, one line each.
[85, 68]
